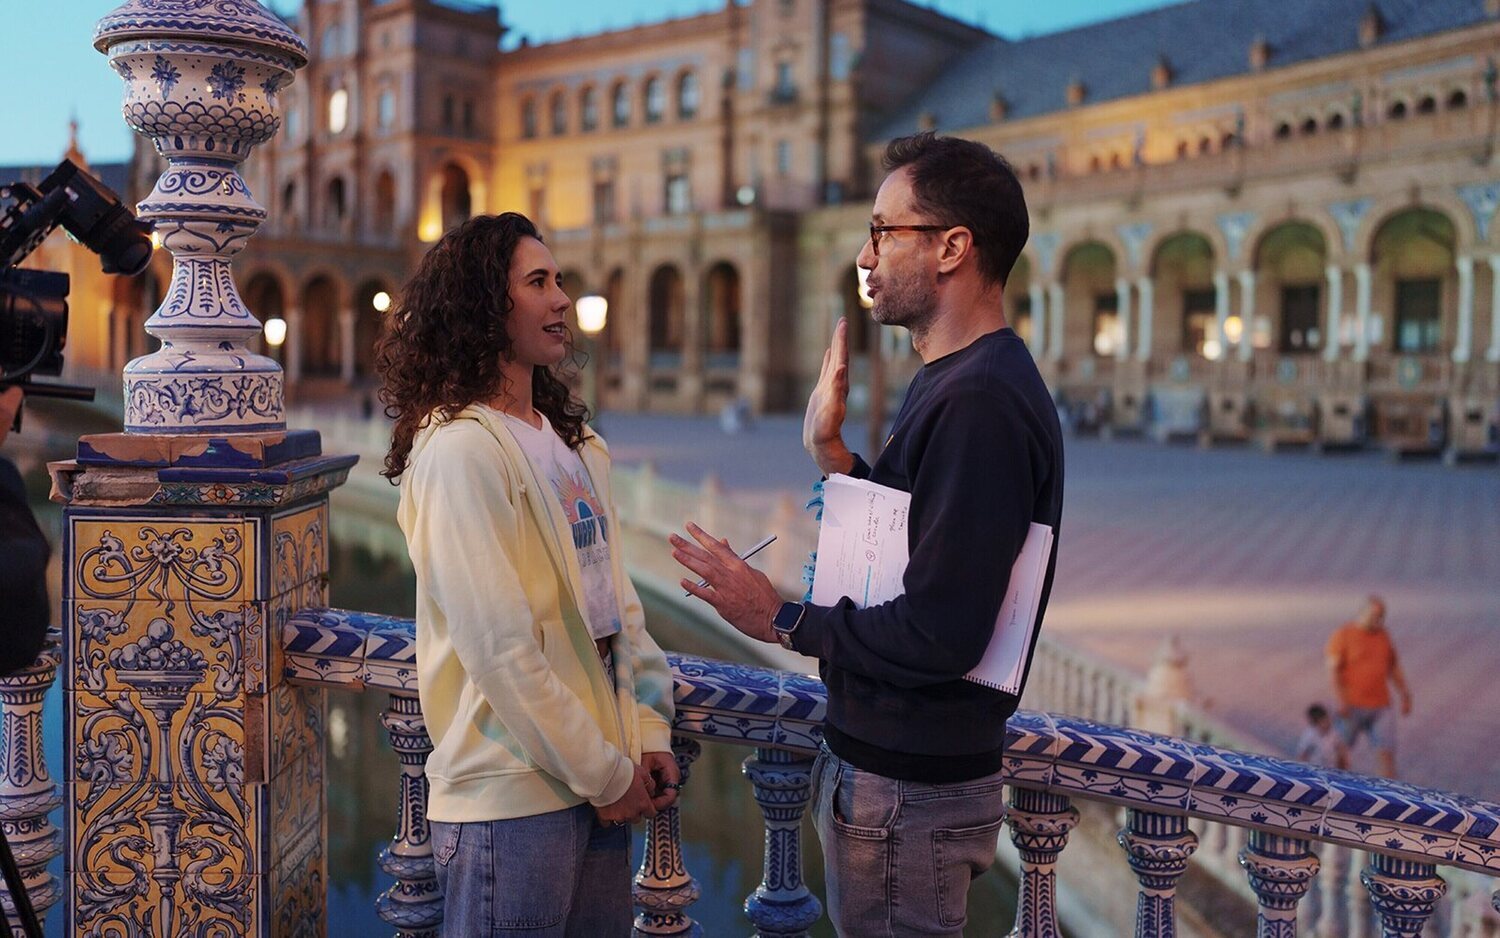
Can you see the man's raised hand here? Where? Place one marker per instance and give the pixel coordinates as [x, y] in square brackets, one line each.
[823, 425]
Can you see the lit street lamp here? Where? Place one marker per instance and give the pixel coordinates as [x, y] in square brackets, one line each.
[593, 313]
[275, 333]
[381, 302]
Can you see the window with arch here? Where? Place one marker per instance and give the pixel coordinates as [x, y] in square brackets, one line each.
[655, 100]
[1427, 105]
[337, 205]
[1335, 121]
[468, 122]
[1396, 111]
[528, 118]
[1309, 126]
[1457, 99]
[619, 107]
[1283, 130]
[289, 200]
[450, 108]
[688, 96]
[385, 109]
[1205, 145]
[559, 109]
[338, 111]
[1182, 149]
[331, 46]
[588, 110]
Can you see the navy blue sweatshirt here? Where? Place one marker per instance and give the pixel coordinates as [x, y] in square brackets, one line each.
[978, 445]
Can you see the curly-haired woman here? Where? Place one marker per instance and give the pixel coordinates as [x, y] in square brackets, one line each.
[549, 706]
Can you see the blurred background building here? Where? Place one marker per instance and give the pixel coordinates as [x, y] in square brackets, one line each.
[1246, 219]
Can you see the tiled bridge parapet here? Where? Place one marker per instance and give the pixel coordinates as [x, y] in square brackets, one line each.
[1162, 781]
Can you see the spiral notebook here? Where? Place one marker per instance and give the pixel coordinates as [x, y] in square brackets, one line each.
[862, 554]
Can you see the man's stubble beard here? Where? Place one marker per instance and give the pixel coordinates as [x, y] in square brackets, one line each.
[907, 302]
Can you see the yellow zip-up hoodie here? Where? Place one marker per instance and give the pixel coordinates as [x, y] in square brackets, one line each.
[522, 716]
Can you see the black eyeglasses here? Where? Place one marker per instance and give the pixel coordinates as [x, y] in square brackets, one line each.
[877, 230]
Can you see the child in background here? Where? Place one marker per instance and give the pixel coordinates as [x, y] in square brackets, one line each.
[1319, 744]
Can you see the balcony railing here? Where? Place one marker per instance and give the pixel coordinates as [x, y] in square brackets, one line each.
[1267, 812]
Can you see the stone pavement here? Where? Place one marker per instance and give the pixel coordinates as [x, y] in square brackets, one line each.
[1252, 560]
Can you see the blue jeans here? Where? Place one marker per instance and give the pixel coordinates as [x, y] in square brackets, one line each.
[551, 875]
[899, 855]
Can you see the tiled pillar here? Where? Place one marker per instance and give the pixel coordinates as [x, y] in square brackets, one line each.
[1122, 316]
[1362, 312]
[1038, 297]
[1247, 314]
[194, 788]
[1335, 276]
[1146, 288]
[194, 795]
[1057, 314]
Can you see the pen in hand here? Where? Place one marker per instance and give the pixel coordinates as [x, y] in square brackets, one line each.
[764, 542]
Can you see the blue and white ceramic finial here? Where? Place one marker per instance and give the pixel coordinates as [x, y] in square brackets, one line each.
[201, 81]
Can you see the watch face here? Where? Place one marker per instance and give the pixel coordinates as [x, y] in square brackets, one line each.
[788, 617]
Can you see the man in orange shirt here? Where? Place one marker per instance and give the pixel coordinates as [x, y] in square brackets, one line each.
[1362, 662]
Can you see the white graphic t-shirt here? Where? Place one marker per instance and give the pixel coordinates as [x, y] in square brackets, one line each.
[562, 470]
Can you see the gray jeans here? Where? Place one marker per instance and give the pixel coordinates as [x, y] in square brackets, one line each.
[900, 855]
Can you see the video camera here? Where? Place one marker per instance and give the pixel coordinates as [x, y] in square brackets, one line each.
[34, 303]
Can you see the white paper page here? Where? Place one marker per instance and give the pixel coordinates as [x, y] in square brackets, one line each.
[862, 548]
[1004, 659]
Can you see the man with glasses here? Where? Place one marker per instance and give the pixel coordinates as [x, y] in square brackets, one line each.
[908, 801]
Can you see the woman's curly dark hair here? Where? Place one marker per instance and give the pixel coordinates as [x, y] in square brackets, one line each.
[441, 346]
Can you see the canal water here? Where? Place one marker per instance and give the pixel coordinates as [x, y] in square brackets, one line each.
[721, 823]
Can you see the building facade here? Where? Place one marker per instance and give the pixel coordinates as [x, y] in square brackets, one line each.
[1244, 219]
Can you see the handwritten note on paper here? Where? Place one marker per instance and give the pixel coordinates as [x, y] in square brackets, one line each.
[862, 548]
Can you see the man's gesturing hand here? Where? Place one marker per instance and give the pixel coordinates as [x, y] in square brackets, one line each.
[823, 425]
[741, 594]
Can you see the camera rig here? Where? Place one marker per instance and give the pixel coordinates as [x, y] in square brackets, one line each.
[34, 303]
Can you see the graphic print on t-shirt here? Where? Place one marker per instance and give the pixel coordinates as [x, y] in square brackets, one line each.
[591, 542]
[569, 480]
[582, 508]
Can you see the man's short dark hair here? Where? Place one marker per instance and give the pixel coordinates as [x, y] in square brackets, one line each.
[961, 182]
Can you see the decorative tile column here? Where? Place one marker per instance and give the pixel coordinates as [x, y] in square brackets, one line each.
[782, 905]
[1280, 869]
[28, 793]
[1157, 847]
[1404, 892]
[194, 792]
[1039, 827]
[664, 889]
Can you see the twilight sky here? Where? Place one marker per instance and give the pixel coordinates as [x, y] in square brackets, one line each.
[49, 69]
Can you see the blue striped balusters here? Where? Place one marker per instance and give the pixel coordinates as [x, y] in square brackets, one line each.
[1039, 826]
[663, 888]
[27, 793]
[1157, 847]
[413, 906]
[1280, 870]
[1404, 893]
[782, 905]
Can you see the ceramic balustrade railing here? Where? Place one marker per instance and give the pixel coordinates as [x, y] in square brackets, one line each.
[1278, 812]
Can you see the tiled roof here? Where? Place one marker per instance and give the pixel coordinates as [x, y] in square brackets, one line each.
[1201, 40]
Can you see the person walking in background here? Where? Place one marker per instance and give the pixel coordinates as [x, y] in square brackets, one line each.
[1320, 743]
[549, 707]
[1362, 662]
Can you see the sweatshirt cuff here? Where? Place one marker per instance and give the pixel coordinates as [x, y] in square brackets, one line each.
[812, 631]
[618, 785]
[860, 469]
[656, 733]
